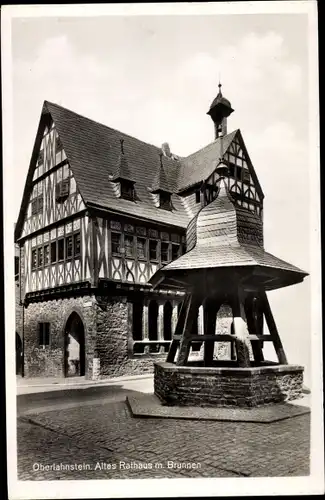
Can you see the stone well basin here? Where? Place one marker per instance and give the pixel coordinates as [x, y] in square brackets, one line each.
[227, 385]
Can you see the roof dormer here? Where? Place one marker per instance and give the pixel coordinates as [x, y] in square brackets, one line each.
[161, 187]
[123, 176]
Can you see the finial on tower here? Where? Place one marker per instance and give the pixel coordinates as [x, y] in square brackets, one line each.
[219, 111]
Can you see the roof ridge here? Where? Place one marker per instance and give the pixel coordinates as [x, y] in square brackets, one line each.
[210, 144]
[108, 127]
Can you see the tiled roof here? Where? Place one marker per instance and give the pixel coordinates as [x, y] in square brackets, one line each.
[94, 151]
[162, 180]
[227, 238]
[122, 170]
[95, 155]
[200, 165]
[229, 255]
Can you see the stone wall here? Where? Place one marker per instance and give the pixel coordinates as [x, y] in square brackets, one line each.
[114, 331]
[244, 387]
[49, 360]
[107, 333]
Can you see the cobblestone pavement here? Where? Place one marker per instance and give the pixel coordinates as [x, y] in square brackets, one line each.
[106, 433]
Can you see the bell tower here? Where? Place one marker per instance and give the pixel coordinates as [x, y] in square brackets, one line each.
[219, 111]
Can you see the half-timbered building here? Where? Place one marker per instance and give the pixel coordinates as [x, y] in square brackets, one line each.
[101, 212]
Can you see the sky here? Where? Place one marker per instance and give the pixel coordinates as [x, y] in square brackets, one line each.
[154, 77]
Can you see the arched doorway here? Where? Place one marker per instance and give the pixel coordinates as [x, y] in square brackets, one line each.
[74, 347]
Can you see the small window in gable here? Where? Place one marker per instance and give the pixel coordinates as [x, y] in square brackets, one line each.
[62, 190]
[40, 159]
[127, 190]
[37, 205]
[246, 176]
[165, 200]
[58, 144]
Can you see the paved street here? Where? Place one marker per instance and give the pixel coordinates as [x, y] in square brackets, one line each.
[92, 429]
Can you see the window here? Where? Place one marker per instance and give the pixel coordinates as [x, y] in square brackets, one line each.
[61, 249]
[116, 243]
[127, 190]
[62, 190]
[76, 244]
[246, 176]
[175, 252]
[37, 205]
[40, 257]
[153, 247]
[53, 251]
[165, 200]
[231, 168]
[46, 255]
[40, 159]
[128, 245]
[69, 246]
[141, 248]
[34, 258]
[44, 333]
[198, 196]
[164, 252]
[58, 144]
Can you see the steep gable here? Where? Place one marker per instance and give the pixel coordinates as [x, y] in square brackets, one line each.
[51, 192]
[199, 165]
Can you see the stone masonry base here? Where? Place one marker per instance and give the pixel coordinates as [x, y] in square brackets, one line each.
[106, 338]
[227, 386]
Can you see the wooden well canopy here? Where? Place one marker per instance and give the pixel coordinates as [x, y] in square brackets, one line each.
[226, 263]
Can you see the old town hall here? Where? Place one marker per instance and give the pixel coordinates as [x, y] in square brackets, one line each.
[101, 212]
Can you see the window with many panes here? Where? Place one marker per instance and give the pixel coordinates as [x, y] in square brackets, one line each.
[37, 205]
[53, 252]
[141, 248]
[40, 256]
[153, 249]
[164, 251]
[69, 246]
[129, 245]
[175, 251]
[44, 334]
[116, 243]
[46, 254]
[76, 244]
[61, 249]
[34, 258]
[58, 250]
